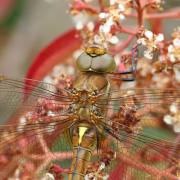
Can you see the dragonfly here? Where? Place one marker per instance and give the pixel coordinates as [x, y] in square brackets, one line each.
[86, 127]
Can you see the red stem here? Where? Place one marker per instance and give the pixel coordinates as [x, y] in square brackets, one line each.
[121, 46]
[82, 6]
[126, 30]
[166, 15]
[139, 13]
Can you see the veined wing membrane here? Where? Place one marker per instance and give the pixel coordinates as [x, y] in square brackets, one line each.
[141, 139]
[32, 144]
[140, 98]
[17, 98]
[27, 130]
[132, 112]
[39, 112]
[144, 149]
[36, 108]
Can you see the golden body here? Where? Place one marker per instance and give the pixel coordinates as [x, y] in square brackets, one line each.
[85, 132]
[93, 65]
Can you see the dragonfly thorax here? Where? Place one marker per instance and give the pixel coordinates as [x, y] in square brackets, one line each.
[83, 97]
[85, 105]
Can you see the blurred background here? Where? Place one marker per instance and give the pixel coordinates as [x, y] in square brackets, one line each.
[26, 26]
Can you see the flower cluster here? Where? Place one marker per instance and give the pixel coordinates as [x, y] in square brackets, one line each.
[174, 48]
[98, 174]
[110, 18]
[151, 42]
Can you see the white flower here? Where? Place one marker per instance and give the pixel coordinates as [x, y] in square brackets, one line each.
[159, 38]
[103, 15]
[173, 108]
[97, 39]
[122, 17]
[70, 70]
[79, 25]
[105, 177]
[110, 21]
[168, 119]
[17, 173]
[148, 34]
[170, 48]
[102, 166]
[103, 39]
[148, 54]
[141, 41]
[105, 28]
[172, 58]
[174, 50]
[176, 127]
[90, 26]
[51, 114]
[176, 42]
[121, 7]
[86, 177]
[173, 118]
[112, 2]
[48, 176]
[151, 41]
[48, 79]
[89, 176]
[80, 20]
[113, 16]
[114, 40]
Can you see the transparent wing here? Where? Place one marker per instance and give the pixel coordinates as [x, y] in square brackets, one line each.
[135, 122]
[38, 115]
[14, 95]
[139, 98]
[29, 149]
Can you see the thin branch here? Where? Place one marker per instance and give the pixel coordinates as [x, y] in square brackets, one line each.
[82, 6]
[122, 45]
[166, 15]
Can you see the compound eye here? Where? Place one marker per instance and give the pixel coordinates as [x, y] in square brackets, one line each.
[84, 62]
[104, 63]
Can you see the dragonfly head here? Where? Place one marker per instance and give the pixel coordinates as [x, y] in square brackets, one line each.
[96, 59]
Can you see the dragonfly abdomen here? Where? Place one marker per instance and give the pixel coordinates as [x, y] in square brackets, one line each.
[84, 144]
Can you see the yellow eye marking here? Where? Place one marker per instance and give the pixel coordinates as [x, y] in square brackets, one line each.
[82, 131]
[89, 50]
[95, 50]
